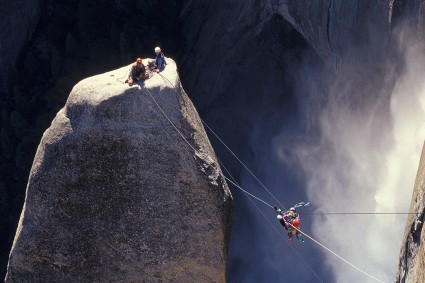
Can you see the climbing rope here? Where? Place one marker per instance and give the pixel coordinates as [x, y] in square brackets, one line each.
[335, 254]
[243, 164]
[234, 183]
[234, 155]
[240, 188]
[159, 107]
[360, 213]
[305, 234]
[268, 220]
[308, 236]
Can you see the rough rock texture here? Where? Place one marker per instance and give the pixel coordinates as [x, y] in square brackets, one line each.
[412, 255]
[116, 195]
[46, 47]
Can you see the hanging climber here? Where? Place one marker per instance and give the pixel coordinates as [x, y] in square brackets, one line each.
[293, 229]
[290, 220]
[137, 72]
[159, 60]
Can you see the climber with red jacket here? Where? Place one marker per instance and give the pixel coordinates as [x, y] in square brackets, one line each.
[137, 72]
[290, 220]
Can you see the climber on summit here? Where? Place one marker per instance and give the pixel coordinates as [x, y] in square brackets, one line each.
[290, 220]
[137, 72]
[159, 60]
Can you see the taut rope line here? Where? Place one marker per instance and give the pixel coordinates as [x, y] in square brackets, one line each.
[308, 236]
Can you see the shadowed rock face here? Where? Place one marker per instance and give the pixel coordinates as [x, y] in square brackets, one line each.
[333, 27]
[18, 21]
[116, 195]
[412, 255]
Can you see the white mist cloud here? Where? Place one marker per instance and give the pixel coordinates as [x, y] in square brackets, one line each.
[366, 161]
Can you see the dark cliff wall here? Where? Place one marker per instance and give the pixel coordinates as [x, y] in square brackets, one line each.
[18, 21]
[250, 67]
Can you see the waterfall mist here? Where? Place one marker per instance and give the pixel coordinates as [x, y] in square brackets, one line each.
[354, 146]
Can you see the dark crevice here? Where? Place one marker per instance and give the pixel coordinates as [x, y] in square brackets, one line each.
[416, 229]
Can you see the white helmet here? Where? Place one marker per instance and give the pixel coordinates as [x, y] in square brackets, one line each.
[157, 49]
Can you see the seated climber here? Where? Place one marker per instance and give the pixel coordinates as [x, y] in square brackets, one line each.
[159, 60]
[137, 72]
